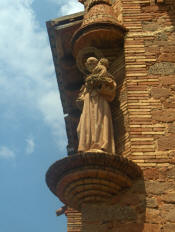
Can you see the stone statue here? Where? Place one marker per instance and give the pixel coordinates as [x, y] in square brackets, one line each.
[95, 129]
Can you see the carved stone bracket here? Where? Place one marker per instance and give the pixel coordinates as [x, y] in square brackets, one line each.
[90, 177]
[100, 27]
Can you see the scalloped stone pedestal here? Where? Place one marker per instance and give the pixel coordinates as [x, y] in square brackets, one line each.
[100, 27]
[99, 35]
[90, 178]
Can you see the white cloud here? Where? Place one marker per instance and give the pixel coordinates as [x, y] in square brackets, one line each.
[30, 145]
[68, 7]
[52, 112]
[27, 76]
[6, 153]
[71, 7]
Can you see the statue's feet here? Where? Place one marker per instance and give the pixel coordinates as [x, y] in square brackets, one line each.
[96, 150]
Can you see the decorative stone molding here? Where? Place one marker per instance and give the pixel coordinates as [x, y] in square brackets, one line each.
[100, 27]
[90, 177]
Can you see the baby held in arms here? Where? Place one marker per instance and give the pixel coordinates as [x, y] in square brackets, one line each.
[99, 79]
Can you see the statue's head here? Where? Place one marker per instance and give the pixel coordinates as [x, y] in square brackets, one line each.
[91, 63]
[104, 62]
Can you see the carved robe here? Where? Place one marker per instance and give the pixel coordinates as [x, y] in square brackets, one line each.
[95, 129]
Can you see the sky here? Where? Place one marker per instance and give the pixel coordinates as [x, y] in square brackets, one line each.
[32, 129]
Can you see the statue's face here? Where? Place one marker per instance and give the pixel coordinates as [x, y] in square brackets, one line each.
[91, 63]
[104, 62]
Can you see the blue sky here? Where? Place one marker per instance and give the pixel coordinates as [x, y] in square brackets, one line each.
[32, 130]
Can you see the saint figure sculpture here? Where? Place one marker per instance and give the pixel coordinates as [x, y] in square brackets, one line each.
[95, 129]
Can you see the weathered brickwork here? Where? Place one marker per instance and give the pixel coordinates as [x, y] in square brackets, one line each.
[119, 106]
[150, 74]
[74, 221]
[144, 122]
[149, 206]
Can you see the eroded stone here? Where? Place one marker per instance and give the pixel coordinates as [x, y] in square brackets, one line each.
[156, 187]
[169, 104]
[169, 197]
[166, 57]
[167, 115]
[162, 36]
[169, 227]
[152, 215]
[171, 173]
[151, 203]
[170, 80]
[151, 174]
[158, 93]
[162, 68]
[168, 212]
[150, 26]
[171, 128]
[166, 142]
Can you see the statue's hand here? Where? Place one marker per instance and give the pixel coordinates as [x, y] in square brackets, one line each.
[108, 90]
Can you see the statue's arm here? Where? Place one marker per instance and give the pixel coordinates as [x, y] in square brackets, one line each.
[108, 89]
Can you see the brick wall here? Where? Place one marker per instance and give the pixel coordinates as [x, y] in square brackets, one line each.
[150, 73]
[144, 122]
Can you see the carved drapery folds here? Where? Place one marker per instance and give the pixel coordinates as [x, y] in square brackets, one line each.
[95, 129]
